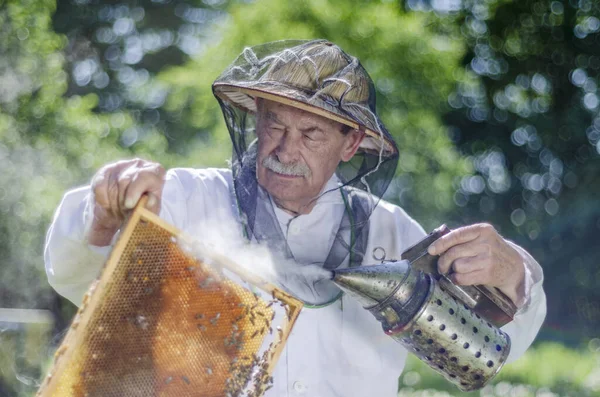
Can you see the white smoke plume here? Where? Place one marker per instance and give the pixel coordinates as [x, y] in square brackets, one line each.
[212, 241]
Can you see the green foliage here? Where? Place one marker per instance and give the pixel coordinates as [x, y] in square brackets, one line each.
[546, 369]
[48, 144]
[529, 117]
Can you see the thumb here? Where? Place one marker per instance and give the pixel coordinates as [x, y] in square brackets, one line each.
[153, 203]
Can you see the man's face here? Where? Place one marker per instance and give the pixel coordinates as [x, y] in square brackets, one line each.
[298, 152]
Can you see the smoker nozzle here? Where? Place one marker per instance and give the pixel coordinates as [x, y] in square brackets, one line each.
[371, 285]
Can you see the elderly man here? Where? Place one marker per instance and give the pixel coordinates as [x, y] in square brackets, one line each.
[311, 159]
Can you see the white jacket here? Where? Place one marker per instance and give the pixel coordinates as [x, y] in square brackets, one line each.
[335, 351]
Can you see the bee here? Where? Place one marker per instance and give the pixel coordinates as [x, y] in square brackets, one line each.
[168, 380]
[201, 327]
[199, 316]
[130, 276]
[209, 370]
[185, 379]
[260, 314]
[254, 334]
[60, 351]
[206, 282]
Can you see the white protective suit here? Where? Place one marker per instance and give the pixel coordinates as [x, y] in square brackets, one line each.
[335, 351]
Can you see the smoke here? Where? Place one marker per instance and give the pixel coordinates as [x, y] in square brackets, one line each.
[217, 241]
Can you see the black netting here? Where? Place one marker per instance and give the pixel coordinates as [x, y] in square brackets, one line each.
[315, 76]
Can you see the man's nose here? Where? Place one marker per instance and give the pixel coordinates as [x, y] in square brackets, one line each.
[287, 151]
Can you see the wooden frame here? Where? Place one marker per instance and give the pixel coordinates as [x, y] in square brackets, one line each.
[98, 291]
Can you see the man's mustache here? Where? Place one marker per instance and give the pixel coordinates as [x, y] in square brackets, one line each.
[296, 169]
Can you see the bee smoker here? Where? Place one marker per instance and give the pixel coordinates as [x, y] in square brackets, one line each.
[453, 329]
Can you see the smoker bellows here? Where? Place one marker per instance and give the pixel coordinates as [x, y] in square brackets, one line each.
[453, 329]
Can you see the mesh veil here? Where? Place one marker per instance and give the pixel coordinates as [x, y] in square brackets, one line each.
[315, 76]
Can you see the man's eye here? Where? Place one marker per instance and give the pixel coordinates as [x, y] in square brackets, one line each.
[276, 130]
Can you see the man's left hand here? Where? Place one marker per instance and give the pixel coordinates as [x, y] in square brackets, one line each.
[478, 255]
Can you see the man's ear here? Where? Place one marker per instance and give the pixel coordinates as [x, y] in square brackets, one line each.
[351, 144]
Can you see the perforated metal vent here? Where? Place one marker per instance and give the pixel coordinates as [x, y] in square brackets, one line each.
[455, 341]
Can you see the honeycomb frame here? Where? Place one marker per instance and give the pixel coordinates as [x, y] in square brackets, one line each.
[160, 322]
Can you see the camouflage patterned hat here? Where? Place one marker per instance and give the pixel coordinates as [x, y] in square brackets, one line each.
[315, 76]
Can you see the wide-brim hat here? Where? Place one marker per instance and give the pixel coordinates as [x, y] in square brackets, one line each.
[315, 76]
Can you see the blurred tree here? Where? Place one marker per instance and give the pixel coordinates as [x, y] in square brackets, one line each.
[528, 117]
[116, 48]
[48, 143]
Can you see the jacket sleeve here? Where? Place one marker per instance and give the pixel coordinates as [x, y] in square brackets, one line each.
[532, 311]
[71, 263]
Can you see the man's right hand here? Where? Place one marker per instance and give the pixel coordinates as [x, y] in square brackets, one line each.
[117, 188]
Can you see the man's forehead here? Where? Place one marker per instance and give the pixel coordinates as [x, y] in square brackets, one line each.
[280, 112]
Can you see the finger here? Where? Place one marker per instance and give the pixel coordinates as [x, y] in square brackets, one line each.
[100, 182]
[99, 189]
[466, 250]
[103, 217]
[459, 236]
[478, 277]
[126, 176]
[153, 203]
[112, 191]
[470, 264]
[149, 180]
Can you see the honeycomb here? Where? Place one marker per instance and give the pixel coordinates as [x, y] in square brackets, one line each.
[159, 322]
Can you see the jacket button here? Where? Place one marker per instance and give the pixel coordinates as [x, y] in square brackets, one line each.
[299, 387]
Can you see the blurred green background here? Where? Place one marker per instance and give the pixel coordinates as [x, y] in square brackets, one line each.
[494, 105]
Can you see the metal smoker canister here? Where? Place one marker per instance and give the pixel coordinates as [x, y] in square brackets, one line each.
[435, 326]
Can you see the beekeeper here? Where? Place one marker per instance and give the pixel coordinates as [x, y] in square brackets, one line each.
[311, 160]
